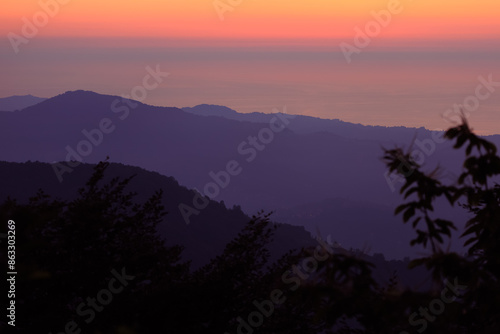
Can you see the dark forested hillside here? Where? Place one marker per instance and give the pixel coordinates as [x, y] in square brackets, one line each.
[203, 238]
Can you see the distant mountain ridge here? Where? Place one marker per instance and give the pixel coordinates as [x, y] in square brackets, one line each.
[283, 171]
[212, 110]
[19, 102]
[309, 124]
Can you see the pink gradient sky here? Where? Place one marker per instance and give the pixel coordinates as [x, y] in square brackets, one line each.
[266, 55]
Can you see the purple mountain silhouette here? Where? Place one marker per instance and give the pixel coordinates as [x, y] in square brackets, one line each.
[259, 161]
[19, 102]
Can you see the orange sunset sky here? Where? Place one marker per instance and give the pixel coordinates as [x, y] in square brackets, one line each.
[256, 18]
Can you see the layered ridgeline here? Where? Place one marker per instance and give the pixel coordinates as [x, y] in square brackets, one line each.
[325, 175]
[203, 239]
[19, 102]
[208, 233]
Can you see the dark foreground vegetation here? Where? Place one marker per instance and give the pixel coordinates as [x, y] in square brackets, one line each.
[96, 264]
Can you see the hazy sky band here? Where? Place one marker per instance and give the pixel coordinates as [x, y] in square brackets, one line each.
[266, 54]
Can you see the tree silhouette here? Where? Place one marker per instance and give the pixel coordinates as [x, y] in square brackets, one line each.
[67, 250]
[480, 269]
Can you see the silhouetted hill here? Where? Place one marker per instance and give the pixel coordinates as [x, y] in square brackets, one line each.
[214, 110]
[18, 102]
[357, 218]
[271, 170]
[307, 124]
[205, 236]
